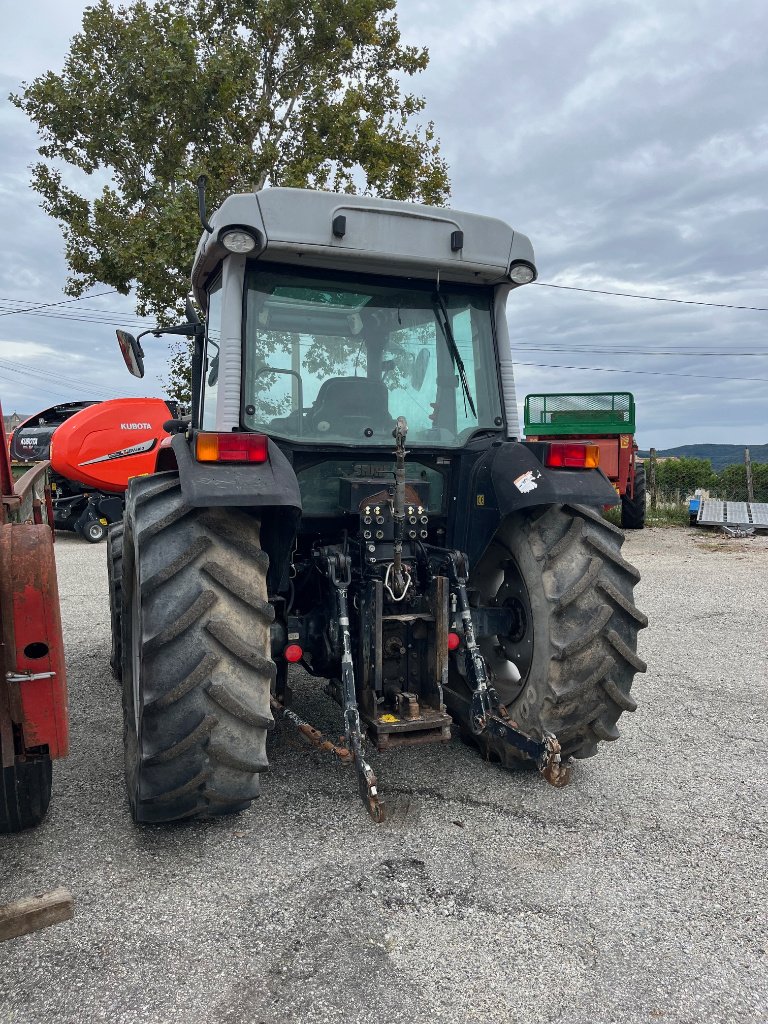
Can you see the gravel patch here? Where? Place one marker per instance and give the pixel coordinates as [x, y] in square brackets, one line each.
[636, 894]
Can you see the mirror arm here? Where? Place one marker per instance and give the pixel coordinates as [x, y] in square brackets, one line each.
[191, 330]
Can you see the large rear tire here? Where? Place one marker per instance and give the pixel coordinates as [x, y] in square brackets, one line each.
[633, 509]
[25, 792]
[115, 576]
[197, 670]
[559, 570]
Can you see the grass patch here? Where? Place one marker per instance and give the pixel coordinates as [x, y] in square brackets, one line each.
[668, 515]
[662, 515]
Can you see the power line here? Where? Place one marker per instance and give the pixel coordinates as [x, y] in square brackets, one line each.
[680, 353]
[86, 309]
[650, 298]
[64, 302]
[47, 376]
[651, 373]
[541, 284]
[38, 387]
[115, 320]
[95, 309]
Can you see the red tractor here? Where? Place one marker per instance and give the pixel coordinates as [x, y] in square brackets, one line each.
[33, 685]
[605, 420]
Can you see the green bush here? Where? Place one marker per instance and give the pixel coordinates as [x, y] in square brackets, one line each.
[678, 479]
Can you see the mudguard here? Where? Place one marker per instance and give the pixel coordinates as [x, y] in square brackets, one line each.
[264, 485]
[34, 687]
[520, 480]
[510, 477]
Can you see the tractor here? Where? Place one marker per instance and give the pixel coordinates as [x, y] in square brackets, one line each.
[349, 494]
[606, 420]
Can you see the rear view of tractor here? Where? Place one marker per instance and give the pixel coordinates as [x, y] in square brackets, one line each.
[349, 495]
[605, 420]
[33, 688]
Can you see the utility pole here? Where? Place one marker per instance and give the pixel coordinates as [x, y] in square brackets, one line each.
[748, 466]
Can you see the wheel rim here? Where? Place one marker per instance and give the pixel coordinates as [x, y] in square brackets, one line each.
[510, 654]
[95, 531]
[518, 644]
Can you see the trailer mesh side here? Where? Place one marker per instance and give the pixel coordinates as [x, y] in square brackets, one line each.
[609, 412]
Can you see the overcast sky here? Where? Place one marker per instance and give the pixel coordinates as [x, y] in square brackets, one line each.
[628, 139]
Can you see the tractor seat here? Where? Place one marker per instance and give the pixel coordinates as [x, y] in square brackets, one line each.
[348, 405]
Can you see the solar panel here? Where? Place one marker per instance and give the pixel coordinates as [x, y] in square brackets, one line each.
[733, 513]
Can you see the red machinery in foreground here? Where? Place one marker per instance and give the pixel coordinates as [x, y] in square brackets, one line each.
[605, 420]
[33, 687]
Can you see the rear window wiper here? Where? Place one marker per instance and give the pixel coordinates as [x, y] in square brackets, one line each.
[441, 315]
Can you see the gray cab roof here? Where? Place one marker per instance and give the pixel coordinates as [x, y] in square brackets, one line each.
[383, 236]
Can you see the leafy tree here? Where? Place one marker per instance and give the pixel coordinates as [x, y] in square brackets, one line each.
[276, 92]
[178, 384]
[732, 482]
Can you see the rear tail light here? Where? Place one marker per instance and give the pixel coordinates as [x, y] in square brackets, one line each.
[293, 653]
[210, 447]
[566, 455]
[453, 641]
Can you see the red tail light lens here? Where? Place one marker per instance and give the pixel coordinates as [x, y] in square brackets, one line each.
[293, 653]
[566, 455]
[453, 641]
[210, 447]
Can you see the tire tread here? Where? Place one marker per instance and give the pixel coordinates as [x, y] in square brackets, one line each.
[204, 655]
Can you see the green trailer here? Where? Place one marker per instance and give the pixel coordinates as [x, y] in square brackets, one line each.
[605, 419]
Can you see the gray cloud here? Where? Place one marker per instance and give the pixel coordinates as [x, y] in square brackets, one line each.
[627, 139]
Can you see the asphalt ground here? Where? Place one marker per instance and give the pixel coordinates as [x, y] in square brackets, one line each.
[636, 894]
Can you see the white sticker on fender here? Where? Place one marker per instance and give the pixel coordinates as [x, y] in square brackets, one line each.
[527, 482]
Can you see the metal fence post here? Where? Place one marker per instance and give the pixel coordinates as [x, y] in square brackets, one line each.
[748, 465]
[652, 478]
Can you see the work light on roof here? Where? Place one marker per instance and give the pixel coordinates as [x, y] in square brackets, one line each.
[238, 241]
[521, 273]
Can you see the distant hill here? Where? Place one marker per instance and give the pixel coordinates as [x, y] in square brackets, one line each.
[721, 455]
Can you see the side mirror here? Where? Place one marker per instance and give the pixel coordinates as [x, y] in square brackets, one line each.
[133, 354]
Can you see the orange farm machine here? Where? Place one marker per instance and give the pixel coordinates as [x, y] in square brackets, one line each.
[94, 449]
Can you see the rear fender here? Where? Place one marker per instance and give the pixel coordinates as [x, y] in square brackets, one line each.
[520, 480]
[266, 484]
[510, 477]
[35, 695]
